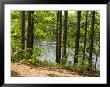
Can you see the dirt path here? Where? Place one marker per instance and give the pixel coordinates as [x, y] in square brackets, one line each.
[23, 70]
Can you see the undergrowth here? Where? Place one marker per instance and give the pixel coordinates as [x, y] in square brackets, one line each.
[28, 57]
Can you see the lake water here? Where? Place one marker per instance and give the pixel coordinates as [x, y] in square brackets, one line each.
[49, 54]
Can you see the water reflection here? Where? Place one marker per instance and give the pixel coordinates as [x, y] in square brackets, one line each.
[49, 53]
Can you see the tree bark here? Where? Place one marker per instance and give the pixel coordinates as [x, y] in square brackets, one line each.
[60, 34]
[23, 30]
[30, 30]
[58, 55]
[65, 34]
[85, 35]
[57, 40]
[91, 39]
[77, 37]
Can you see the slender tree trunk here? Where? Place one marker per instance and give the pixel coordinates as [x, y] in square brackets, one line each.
[58, 55]
[57, 40]
[23, 30]
[77, 37]
[60, 34]
[85, 35]
[30, 30]
[91, 39]
[65, 34]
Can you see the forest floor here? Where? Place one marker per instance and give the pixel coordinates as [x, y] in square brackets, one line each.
[23, 70]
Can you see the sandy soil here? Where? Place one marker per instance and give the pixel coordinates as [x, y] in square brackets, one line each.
[23, 70]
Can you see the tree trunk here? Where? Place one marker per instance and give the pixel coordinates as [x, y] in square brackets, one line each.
[60, 34]
[57, 40]
[30, 30]
[65, 34]
[58, 55]
[96, 62]
[77, 37]
[85, 35]
[91, 39]
[23, 30]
